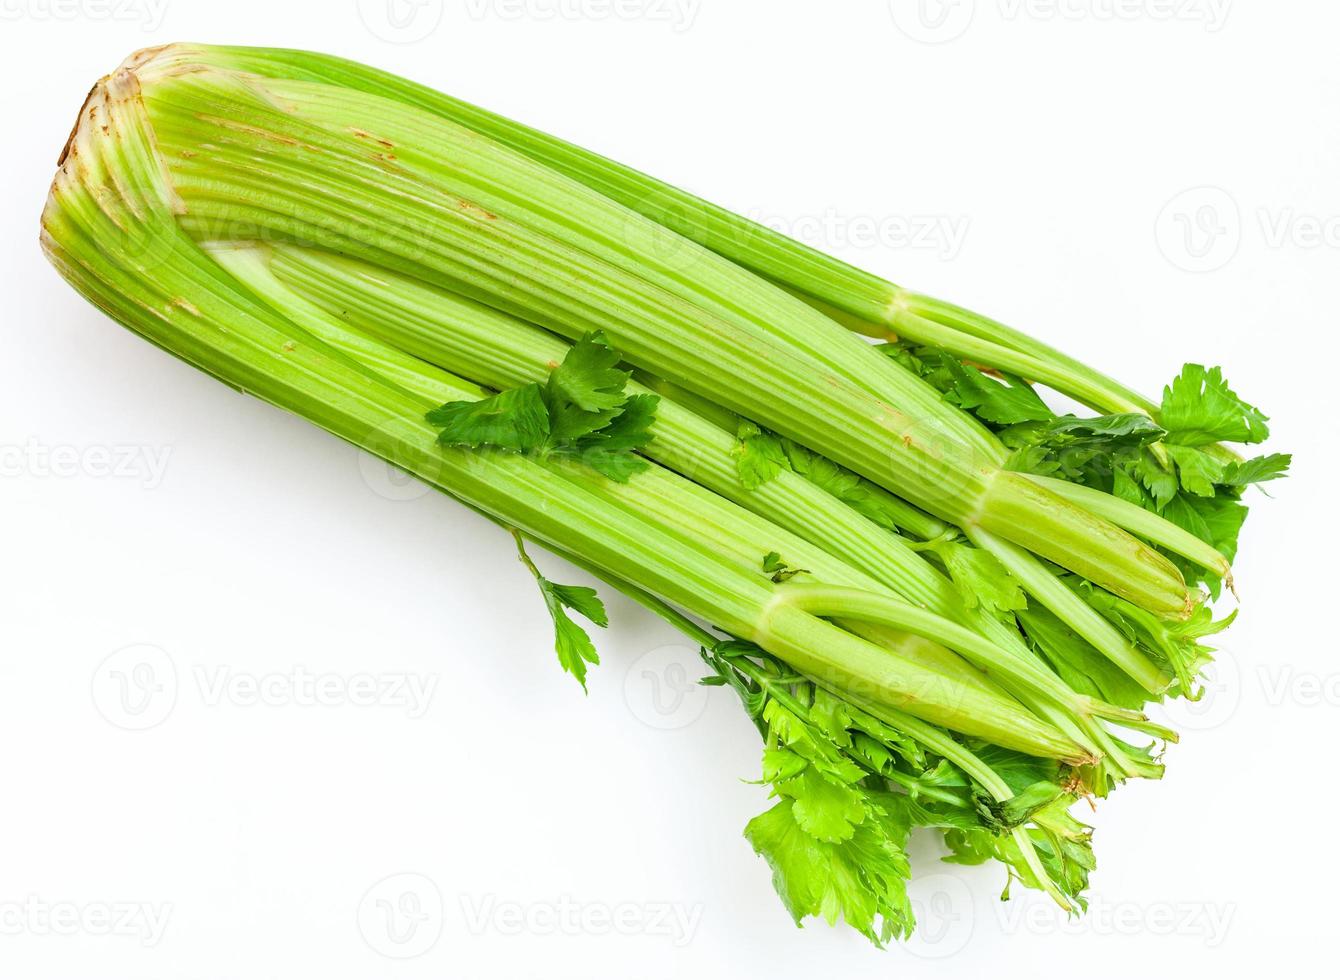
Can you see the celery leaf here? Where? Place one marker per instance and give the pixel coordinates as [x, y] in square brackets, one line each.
[582, 411]
[589, 377]
[854, 491]
[981, 579]
[572, 643]
[1257, 470]
[515, 420]
[1077, 662]
[612, 450]
[1199, 409]
[1197, 471]
[759, 456]
[779, 570]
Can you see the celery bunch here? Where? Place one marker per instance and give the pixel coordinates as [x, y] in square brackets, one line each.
[941, 603]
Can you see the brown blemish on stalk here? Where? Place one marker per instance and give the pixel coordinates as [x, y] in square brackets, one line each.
[1190, 605]
[68, 148]
[185, 304]
[187, 68]
[1072, 784]
[469, 207]
[387, 161]
[288, 347]
[263, 133]
[364, 134]
[143, 56]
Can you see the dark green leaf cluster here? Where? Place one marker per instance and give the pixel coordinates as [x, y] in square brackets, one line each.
[1176, 644]
[582, 411]
[1174, 467]
[981, 580]
[850, 788]
[1007, 402]
[761, 455]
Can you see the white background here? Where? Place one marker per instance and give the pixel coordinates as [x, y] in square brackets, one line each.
[1059, 157]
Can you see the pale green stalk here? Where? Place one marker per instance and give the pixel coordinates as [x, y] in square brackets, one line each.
[1142, 523]
[863, 297]
[110, 228]
[278, 157]
[501, 352]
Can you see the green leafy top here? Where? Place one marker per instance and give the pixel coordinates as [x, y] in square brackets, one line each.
[1199, 409]
[582, 411]
[1171, 466]
[1176, 645]
[850, 787]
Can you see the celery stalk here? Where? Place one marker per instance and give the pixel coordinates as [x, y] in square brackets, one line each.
[280, 157]
[112, 189]
[500, 352]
